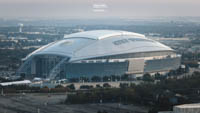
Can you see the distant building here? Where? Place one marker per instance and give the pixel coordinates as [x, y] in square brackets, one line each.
[2, 36]
[20, 27]
[185, 108]
[199, 64]
[24, 82]
[99, 53]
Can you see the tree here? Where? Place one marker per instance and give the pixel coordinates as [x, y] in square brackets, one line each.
[125, 77]
[158, 76]
[106, 78]
[86, 87]
[84, 79]
[71, 86]
[106, 85]
[147, 77]
[74, 79]
[98, 86]
[59, 86]
[115, 78]
[96, 79]
[123, 85]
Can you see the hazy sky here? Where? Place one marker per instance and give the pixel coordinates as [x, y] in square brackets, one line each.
[98, 8]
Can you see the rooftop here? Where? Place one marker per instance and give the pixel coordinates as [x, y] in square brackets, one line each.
[15, 83]
[197, 105]
[101, 34]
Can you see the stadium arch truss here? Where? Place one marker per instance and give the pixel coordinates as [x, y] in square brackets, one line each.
[99, 53]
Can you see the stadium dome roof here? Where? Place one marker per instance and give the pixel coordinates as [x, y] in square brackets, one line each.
[99, 43]
[101, 34]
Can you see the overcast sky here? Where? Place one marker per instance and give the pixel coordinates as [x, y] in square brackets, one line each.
[98, 8]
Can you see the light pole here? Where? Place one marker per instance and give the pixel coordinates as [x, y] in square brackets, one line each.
[2, 92]
[38, 110]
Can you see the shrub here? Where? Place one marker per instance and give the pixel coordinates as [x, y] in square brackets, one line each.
[86, 87]
[106, 85]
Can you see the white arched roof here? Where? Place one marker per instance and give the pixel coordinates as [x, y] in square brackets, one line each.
[101, 34]
[98, 43]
